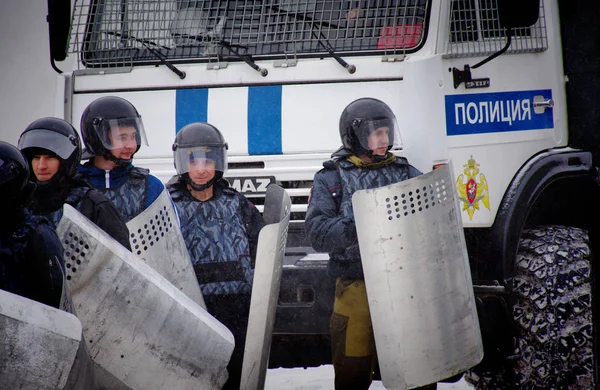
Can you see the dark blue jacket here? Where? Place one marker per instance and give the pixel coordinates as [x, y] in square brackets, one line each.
[31, 258]
[330, 225]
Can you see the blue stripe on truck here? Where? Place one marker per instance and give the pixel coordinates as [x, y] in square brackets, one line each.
[264, 120]
[191, 105]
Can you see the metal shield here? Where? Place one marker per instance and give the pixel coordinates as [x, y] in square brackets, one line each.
[142, 332]
[41, 347]
[418, 280]
[155, 237]
[265, 287]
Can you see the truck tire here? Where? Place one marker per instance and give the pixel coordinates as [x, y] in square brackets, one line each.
[552, 312]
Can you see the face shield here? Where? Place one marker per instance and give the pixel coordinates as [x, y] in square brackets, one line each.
[201, 159]
[58, 144]
[121, 133]
[378, 135]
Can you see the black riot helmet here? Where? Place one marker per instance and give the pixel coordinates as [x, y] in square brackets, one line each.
[15, 187]
[361, 118]
[108, 123]
[199, 146]
[55, 137]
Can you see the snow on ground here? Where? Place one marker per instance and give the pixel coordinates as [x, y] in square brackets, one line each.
[321, 378]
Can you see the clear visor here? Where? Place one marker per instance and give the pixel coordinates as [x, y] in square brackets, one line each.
[379, 136]
[122, 133]
[198, 160]
[56, 143]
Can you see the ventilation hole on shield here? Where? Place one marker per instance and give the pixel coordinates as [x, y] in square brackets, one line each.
[413, 211]
[395, 197]
[68, 265]
[444, 193]
[70, 234]
[151, 243]
[397, 215]
[68, 277]
[426, 206]
[145, 248]
[73, 257]
[73, 269]
[395, 203]
[403, 195]
[387, 199]
[137, 247]
[389, 206]
[67, 254]
[405, 213]
[76, 250]
[78, 262]
[390, 217]
[425, 188]
[139, 252]
[389, 211]
[420, 208]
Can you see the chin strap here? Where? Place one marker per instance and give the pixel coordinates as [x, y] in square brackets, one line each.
[198, 187]
[119, 161]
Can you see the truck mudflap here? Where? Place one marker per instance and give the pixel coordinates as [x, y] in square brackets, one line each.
[142, 332]
[418, 280]
[265, 287]
[42, 347]
[155, 237]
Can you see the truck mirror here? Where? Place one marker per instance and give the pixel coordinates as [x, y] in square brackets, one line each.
[518, 13]
[59, 28]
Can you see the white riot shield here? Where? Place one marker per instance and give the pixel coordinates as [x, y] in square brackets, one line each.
[41, 347]
[142, 332]
[418, 280]
[155, 237]
[265, 287]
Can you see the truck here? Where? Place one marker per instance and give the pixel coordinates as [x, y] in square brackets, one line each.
[504, 90]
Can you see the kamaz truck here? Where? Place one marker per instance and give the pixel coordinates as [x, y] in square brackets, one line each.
[504, 90]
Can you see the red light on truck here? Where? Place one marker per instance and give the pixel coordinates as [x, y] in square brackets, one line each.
[400, 36]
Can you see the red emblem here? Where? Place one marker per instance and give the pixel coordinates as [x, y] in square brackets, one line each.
[471, 190]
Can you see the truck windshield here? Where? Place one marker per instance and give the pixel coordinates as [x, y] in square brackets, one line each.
[107, 33]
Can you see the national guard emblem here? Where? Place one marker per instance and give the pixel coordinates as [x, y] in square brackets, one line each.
[472, 188]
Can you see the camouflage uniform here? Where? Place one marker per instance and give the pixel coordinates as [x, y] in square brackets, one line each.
[221, 236]
[330, 227]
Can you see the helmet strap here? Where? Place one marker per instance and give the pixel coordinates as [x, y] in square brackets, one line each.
[198, 187]
[122, 162]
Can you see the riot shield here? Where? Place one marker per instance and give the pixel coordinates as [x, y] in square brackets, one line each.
[418, 280]
[155, 237]
[142, 332]
[265, 287]
[41, 347]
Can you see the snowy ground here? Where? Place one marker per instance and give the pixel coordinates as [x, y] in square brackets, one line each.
[321, 378]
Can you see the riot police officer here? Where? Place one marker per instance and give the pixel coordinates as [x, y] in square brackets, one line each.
[113, 132]
[31, 255]
[220, 227]
[368, 130]
[53, 150]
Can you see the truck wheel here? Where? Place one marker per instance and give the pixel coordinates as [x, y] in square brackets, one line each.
[552, 312]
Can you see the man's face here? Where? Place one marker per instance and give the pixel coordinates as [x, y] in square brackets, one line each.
[44, 166]
[201, 170]
[379, 141]
[123, 140]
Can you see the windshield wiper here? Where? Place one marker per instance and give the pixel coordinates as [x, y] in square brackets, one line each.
[322, 40]
[247, 58]
[148, 45]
